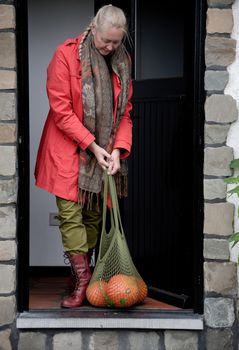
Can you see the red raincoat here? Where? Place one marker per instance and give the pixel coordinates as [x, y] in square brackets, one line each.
[57, 165]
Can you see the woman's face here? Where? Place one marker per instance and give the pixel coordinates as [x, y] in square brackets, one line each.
[107, 39]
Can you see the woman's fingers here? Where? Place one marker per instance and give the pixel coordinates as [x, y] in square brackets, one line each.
[114, 163]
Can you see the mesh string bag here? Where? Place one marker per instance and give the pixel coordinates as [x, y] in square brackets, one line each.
[115, 281]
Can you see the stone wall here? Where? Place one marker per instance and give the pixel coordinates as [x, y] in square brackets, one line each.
[220, 274]
[7, 173]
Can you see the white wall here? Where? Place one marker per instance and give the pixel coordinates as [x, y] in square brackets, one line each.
[50, 23]
[233, 136]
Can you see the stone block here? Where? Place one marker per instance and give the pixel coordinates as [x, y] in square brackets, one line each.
[216, 80]
[7, 79]
[7, 160]
[214, 189]
[219, 312]
[219, 339]
[7, 133]
[107, 340]
[178, 340]
[221, 109]
[216, 134]
[33, 341]
[220, 277]
[218, 219]
[7, 17]
[7, 106]
[144, 340]
[219, 51]
[217, 161]
[219, 3]
[8, 191]
[7, 222]
[8, 278]
[5, 343]
[219, 21]
[8, 50]
[7, 250]
[69, 340]
[7, 307]
[216, 249]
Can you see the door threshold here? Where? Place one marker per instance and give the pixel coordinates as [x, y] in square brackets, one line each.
[110, 319]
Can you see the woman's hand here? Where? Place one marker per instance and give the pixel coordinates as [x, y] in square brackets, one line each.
[103, 157]
[114, 162]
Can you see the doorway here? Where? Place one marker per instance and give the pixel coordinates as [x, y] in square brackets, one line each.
[163, 213]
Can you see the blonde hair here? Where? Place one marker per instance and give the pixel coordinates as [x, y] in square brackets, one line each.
[110, 15]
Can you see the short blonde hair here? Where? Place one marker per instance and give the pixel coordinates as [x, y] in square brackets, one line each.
[110, 15]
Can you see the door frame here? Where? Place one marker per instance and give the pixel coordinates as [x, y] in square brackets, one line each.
[23, 201]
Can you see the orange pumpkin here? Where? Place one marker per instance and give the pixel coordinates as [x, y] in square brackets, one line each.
[122, 290]
[143, 290]
[96, 292]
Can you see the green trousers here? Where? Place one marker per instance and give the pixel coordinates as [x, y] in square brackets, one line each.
[79, 227]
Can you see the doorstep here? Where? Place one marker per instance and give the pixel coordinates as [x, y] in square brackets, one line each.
[110, 319]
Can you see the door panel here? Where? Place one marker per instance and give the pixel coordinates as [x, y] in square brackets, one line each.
[158, 213]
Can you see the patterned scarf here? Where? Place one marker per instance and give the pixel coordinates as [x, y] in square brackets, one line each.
[97, 97]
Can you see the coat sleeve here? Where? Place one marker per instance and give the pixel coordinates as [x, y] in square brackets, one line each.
[59, 94]
[123, 137]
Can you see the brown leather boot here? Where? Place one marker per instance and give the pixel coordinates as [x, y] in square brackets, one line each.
[71, 283]
[80, 266]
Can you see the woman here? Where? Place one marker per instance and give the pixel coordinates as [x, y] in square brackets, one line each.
[88, 130]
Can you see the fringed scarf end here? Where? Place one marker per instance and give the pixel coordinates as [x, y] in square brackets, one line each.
[121, 182]
[88, 199]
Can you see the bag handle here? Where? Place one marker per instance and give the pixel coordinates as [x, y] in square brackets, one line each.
[105, 196]
[115, 204]
[110, 188]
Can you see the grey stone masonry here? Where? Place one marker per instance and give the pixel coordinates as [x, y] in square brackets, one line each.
[7, 160]
[219, 312]
[216, 133]
[214, 189]
[220, 277]
[5, 343]
[7, 307]
[8, 275]
[107, 340]
[7, 133]
[216, 80]
[7, 79]
[34, 341]
[7, 222]
[65, 341]
[219, 21]
[219, 339]
[216, 249]
[217, 161]
[219, 3]
[7, 52]
[7, 250]
[8, 191]
[218, 219]
[178, 340]
[221, 109]
[7, 106]
[144, 340]
[7, 17]
[219, 51]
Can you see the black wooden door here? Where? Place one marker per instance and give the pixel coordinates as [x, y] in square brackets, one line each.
[159, 211]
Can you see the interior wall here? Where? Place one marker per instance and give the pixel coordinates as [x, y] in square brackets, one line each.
[50, 23]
